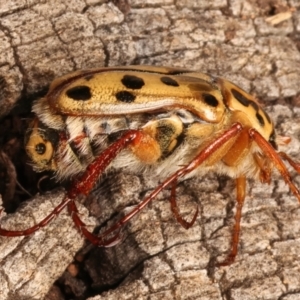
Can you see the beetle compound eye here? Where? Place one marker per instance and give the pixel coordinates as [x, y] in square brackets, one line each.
[40, 148]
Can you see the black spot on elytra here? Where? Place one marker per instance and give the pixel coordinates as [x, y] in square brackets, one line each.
[133, 82]
[240, 97]
[210, 100]
[40, 148]
[260, 119]
[81, 92]
[125, 96]
[169, 81]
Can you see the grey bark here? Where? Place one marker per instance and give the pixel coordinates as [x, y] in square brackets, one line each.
[158, 259]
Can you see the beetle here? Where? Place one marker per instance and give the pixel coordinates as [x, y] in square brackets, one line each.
[170, 123]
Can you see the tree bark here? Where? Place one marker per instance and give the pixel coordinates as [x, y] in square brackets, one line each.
[157, 258]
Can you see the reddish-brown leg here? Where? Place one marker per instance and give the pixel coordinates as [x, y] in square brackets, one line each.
[83, 186]
[240, 197]
[44, 222]
[81, 226]
[294, 164]
[89, 178]
[198, 160]
[85, 183]
[175, 209]
[276, 159]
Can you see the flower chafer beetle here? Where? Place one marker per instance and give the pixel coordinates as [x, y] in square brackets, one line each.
[167, 122]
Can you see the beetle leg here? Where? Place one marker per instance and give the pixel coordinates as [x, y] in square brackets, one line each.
[240, 198]
[82, 186]
[87, 181]
[206, 152]
[294, 164]
[94, 239]
[44, 222]
[175, 209]
[276, 159]
[265, 178]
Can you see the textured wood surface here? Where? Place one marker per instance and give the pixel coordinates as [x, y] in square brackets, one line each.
[158, 259]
